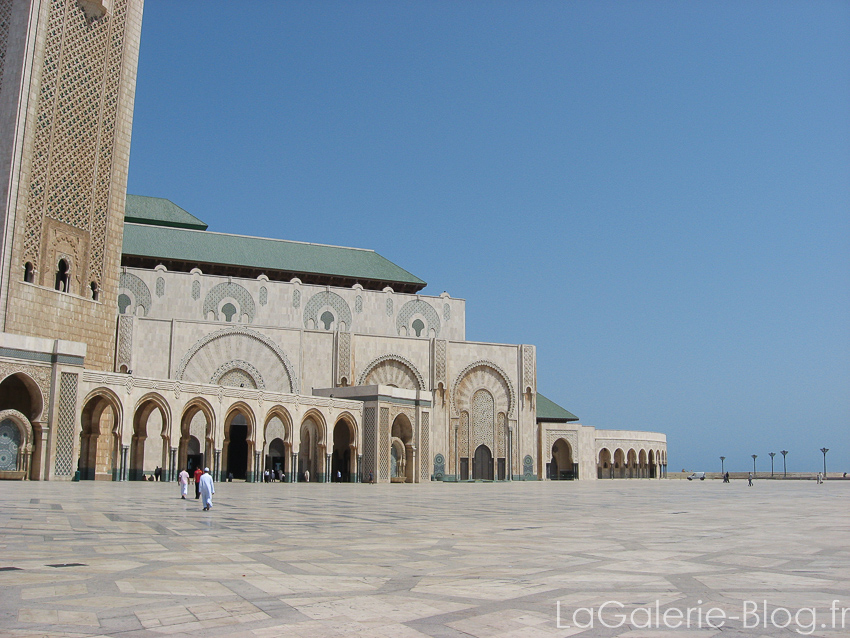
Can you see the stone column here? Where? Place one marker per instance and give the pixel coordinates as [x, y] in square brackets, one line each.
[359, 476]
[457, 459]
[328, 469]
[172, 464]
[217, 464]
[125, 451]
[510, 459]
[292, 475]
[259, 476]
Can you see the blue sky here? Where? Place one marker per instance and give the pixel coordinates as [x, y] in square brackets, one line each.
[655, 194]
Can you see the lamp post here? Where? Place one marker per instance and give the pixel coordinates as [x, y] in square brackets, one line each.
[755, 456]
[722, 459]
[824, 450]
[784, 467]
[771, 455]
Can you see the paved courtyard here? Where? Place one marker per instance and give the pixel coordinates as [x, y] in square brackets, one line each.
[485, 560]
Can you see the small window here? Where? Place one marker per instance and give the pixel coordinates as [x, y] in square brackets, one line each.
[94, 291]
[62, 276]
[123, 303]
[327, 319]
[228, 310]
[29, 272]
[418, 327]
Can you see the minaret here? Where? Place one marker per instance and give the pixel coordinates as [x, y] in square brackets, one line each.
[67, 84]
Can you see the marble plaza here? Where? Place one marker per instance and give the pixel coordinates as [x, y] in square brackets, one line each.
[486, 560]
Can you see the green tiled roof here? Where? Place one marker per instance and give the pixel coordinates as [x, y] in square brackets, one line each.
[204, 247]
[157, 211]
[548, 410]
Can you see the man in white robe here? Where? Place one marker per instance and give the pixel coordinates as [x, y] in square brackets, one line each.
[183, 480]
[207, 489]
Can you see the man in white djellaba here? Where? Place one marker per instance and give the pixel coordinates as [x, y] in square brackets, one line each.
[207, 489]
[183, 480]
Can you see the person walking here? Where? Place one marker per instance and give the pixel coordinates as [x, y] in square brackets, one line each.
[183, 480]
[750, 480]
[207, 489]
[157, 472]
[198, 473]
[726, 477]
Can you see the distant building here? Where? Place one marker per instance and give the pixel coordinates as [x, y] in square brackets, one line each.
[133, 337]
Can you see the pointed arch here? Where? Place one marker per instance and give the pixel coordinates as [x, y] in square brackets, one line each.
[394, 370]
[13, 387]
[487, 375]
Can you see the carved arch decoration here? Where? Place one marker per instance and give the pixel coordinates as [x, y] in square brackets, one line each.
[487, 375]
[277, 425]
[141, 294]
[238, 374]
[95, 403]
[327, 299]
[418, 307]
[394, 370]
[16, 440]
[229, 290]
[144, 408]
[37, 382]
[268, 359]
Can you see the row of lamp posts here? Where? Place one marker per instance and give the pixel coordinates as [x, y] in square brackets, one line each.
[823, 450]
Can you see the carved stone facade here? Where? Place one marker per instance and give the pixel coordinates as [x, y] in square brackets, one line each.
[107, 372]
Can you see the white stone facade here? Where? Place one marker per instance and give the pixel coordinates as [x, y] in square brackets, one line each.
[110, 372]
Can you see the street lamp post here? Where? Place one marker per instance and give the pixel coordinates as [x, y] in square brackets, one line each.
[755, 456]
[722, 459]
[824, 450]
[784, 467]
[771, 454]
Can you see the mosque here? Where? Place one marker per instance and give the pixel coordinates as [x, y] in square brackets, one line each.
[132, 337]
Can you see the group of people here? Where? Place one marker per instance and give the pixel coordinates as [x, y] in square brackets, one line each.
[271, 476]
[204, 488]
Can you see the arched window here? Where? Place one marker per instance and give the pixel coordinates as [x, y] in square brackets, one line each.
[29, 272]
[62, 276]
[228, 310]
[327, 319]
[418, 327]
[123, 303]
[94, 291]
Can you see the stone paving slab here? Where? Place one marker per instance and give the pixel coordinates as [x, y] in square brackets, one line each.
[490, 560]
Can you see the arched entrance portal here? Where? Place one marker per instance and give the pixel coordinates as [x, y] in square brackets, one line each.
[277, 458]
[196, 428]
[15, 443]
[21, 445]
[236, 440]
[194, 456]
[401, 450]
[482, 464]
[99, 454]
[604, 469]
[341, 470]
[561, 467]
[149, 445]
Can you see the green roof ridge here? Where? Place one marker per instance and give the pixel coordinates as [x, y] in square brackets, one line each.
[158, 211]
[188, 244]
[548, 410]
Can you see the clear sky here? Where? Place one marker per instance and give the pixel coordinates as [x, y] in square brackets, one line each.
[655, 194]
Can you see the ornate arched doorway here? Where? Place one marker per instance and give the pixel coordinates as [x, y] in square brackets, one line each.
[604, 468]
[562, 467]
[149, 446]
[99, 438]
[401, 450]
[482, 464]
[341, 458]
